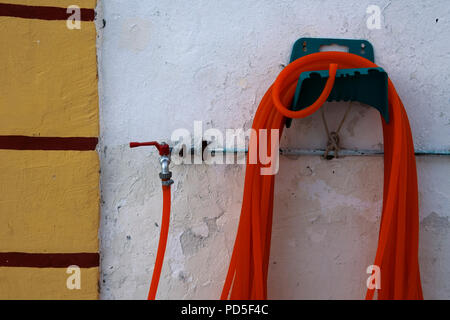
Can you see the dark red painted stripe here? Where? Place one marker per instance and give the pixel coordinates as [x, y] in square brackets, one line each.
[47, 143]
[43, 13]
[49, 260]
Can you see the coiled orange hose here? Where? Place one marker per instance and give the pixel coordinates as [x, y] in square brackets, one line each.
[162, 242]
[397, 252]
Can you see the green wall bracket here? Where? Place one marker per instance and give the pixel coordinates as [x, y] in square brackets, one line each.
[305, 46]
[366, 85]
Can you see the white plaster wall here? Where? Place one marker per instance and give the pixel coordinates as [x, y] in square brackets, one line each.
[164, 64]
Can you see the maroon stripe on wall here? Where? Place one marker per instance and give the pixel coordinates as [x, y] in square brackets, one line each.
[47, 143]
[43, 13]
[49, 260]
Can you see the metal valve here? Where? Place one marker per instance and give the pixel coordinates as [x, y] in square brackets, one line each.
[164, 151]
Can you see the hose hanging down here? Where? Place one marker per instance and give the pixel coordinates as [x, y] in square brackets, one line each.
[162, 243]
[397, 252]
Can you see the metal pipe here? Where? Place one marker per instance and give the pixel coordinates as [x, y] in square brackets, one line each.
[320, 152]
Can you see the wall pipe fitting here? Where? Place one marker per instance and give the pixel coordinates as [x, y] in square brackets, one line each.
[164, 151]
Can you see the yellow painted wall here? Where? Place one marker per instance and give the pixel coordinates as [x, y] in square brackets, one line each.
[46, 284]
[49, 200]
[48, 85]
[54, 3]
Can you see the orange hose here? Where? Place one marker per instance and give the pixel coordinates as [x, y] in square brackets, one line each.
[162, 243]
[397, 252]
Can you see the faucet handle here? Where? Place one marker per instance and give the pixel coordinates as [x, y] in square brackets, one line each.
[163, 148]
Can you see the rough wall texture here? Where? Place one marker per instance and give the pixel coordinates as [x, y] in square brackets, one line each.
[164, 65]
